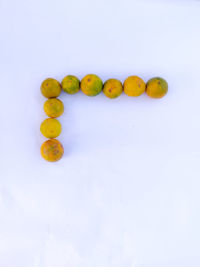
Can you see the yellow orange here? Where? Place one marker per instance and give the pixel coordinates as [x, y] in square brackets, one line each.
[134, 86]
[52, 150]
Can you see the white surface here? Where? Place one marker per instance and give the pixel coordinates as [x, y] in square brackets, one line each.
[126, 193]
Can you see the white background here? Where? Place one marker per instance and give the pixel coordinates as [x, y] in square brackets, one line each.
[126, 193]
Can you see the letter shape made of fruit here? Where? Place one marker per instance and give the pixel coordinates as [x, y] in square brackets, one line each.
[91, 85]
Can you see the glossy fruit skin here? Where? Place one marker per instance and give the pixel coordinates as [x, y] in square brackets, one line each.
[70, 84]
[53, 107]
[91, 85]
[50, 88]
[51, 128]
[52, 150]
[134, 86]
[157, 87]
[112, 88]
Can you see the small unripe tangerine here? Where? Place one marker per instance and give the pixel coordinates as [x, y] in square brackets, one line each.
[51, 128]
[50, 88]
[53, 107]
[112, 88]
[134, 86]
[91, 85]
[52, 150]
[70, 84]
[157, 87]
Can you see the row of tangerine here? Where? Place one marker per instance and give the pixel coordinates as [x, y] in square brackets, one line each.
[92, 85]
[52, 150]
